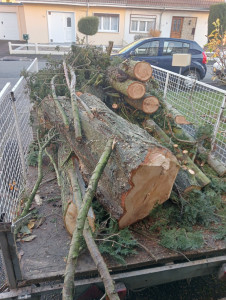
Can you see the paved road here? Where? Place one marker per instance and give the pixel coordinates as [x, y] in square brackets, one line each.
[10, 71]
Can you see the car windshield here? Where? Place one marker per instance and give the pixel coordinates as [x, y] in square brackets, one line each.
[129, 46]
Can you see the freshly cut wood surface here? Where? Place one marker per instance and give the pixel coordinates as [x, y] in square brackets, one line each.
[140, 70]
[148, 104]
[140, 172]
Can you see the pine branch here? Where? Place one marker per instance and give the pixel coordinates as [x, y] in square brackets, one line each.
[57, 103]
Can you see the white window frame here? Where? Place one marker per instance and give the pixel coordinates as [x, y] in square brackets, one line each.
[141, 18]
[101, 15]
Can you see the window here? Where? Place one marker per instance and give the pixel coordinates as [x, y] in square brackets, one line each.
[108, 23]
[68, 22]
[139, 23]
[172, 47]
[147, 49]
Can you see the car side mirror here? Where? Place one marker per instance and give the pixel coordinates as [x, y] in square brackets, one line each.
[132, 53]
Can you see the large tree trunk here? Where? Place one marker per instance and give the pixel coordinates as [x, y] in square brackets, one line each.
[148, 104]
[140, 172]
[139, 70]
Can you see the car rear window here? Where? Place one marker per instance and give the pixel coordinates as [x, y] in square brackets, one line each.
[172, 47]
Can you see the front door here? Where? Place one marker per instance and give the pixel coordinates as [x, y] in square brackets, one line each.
[176, 28]
[61, 27]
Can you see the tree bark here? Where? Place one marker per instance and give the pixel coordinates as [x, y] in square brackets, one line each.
[186, 180]
[175, 115]
[148, 104]
[139, 70]
[132, 89]
[140, 173]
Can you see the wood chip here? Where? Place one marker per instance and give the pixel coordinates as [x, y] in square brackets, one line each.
[38, 199]
[191, 171]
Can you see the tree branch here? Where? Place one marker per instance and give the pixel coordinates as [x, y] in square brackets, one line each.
[68, 289]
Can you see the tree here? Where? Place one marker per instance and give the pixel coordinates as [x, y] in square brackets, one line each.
[217, 46]
[217, 11]
[88, 26]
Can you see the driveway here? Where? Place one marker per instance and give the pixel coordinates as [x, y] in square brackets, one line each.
[11, 66]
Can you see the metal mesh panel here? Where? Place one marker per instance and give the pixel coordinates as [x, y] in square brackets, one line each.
[200, 103]
[15, 138]
[3, 277]
[10, 161]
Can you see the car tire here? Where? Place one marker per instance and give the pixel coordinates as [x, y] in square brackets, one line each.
[191, 74]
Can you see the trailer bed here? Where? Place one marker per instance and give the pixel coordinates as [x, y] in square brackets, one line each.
[44, 258]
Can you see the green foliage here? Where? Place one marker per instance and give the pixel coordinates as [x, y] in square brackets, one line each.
[221, 232]
[217, 11]
[112, 241]
[180, 239]
[88, 25]
[33, 155]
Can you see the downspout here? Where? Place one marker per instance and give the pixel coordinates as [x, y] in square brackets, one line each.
[160, 20]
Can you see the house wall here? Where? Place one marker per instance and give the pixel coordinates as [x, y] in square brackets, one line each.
[37, 22]
[128, 36]
[19, 10]
[164, 21]
[201, 25]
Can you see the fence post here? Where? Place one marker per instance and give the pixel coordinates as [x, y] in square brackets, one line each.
[36, 48]
[166, 86]
[216, 127]
[10, 47]
[36, 65]
[19, 136]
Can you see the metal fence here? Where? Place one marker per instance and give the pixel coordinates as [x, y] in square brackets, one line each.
[15, 138]
[200, 103]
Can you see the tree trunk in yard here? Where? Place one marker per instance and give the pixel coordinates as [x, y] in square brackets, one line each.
[139, 70]
[148, 104]
[140, 172]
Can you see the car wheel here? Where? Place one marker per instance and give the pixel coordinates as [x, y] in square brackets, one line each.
[193, 77]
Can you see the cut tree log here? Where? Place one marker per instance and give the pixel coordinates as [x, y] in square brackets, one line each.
[139, 70]
[148, 104]
[175, 115]
[190, 176]
[140, 172]
[130, 88]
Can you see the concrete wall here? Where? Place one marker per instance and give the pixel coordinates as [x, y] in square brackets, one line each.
[19, 10]
[37, 22]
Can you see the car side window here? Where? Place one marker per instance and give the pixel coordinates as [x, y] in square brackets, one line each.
[172, 47]
[147, 49]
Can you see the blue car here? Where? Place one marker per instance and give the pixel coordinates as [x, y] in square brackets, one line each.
[159, 52]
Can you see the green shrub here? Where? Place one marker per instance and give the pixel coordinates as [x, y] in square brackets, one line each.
[88, 25]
